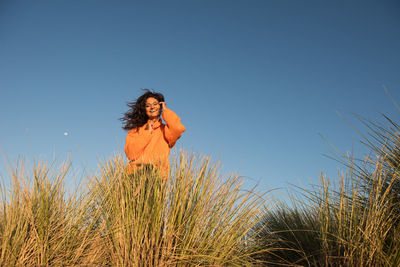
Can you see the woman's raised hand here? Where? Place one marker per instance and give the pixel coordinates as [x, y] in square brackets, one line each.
[163, 105]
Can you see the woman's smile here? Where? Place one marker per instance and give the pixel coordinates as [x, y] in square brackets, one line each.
[152, 107]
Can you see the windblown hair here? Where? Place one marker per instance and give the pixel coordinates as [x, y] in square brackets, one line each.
[136, 116]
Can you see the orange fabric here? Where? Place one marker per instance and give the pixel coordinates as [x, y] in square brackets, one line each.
[144, 147]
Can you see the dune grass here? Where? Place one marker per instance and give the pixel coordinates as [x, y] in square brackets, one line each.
[353, 223]
[196, 218]
[40, 225]
[199, 218]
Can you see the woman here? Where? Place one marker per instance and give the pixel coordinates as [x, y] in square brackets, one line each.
[149, 140]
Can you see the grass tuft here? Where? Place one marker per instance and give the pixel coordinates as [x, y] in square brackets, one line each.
[196, 217]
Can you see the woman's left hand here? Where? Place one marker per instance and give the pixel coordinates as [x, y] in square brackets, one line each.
[163, 105]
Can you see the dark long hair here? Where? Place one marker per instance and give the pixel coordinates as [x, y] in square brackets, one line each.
[136, 116]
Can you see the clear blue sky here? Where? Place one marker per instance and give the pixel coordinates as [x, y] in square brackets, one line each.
[254, 81]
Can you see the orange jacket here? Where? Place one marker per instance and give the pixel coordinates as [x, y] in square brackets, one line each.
[144, 147]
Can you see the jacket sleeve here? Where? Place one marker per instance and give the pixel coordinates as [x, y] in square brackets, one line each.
[136, 142]
[173, 128]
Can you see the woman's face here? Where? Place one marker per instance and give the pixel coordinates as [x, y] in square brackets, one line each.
[152, 108]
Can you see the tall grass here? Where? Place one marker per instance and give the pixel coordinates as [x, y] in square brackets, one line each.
[196, 217]
[40, 225]
[354, 223]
